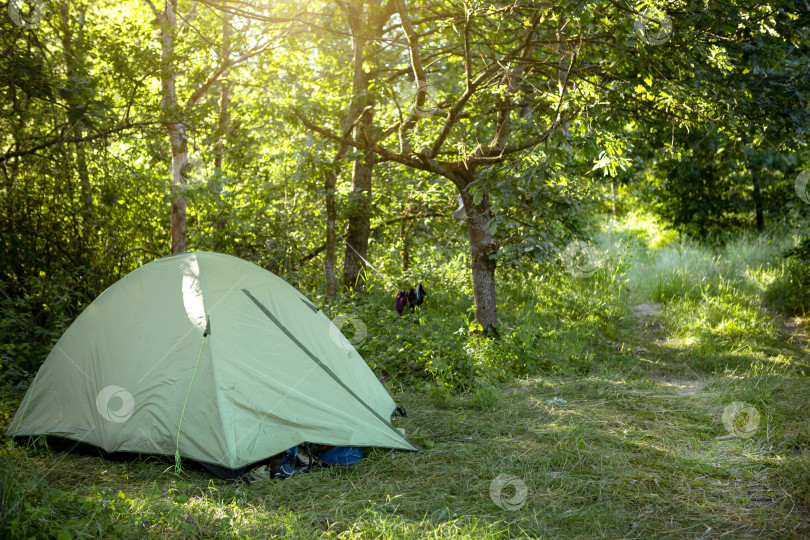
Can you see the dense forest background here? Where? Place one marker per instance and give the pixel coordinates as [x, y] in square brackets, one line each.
[331, 142]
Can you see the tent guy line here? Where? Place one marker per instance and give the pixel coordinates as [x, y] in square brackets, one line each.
[188, 332]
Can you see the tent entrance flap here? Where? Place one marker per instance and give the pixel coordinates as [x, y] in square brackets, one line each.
[324, 367]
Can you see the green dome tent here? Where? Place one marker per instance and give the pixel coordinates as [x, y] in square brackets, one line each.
[211, 358]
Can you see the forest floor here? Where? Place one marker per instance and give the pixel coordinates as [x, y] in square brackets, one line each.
[655, 449]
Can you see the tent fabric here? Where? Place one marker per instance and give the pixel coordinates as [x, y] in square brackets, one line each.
[250, 365]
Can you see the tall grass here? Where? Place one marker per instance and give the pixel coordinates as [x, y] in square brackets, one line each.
[552, 322]
[719, 308]
[666, 266]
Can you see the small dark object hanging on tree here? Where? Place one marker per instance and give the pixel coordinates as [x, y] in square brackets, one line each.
[413, 298]
[416, 296]
[402, 299]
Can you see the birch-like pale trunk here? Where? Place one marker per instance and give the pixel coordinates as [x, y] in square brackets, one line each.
[173, 116]
[223, 121]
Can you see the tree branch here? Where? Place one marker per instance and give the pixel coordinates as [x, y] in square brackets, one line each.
[237, 12]
[405, 146]
[315, 252]
[227, 64]
[100, 135]
[484, 78]
[154, 9]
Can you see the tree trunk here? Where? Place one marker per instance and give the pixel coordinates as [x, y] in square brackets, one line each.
[404, 233]
[329, 255]
[175, 125]
[363, 26]
[359, 206]
[359, 214]
[179, 144]
[330, 181]
[223, 124]
[405, 227]
[224, 119]
[73, 49]
[757, 195]
[482, 248]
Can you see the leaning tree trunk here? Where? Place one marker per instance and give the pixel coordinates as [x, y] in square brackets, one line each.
[172, 116]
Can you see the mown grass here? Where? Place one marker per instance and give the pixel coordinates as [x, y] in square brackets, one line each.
[612, 421]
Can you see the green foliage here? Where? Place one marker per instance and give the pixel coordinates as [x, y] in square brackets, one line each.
[710, 189]
[790, 290]
[31, 324]
[555, 324]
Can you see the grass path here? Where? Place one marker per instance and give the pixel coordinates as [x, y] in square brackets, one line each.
[630, 457]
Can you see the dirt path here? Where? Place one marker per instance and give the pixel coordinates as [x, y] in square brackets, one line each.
[795, 328]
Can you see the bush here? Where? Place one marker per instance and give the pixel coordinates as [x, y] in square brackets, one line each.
[33, 315]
